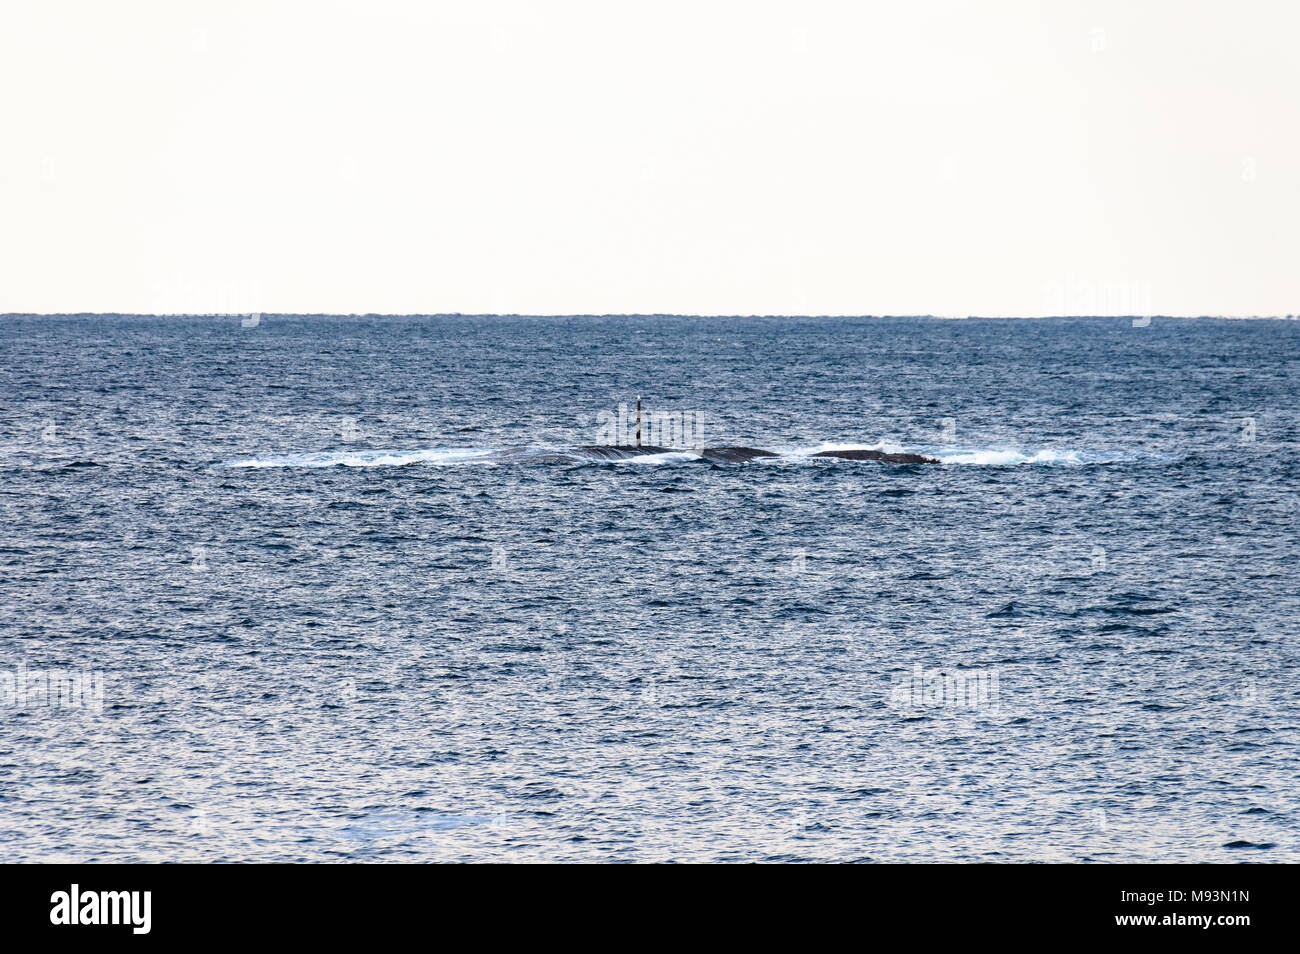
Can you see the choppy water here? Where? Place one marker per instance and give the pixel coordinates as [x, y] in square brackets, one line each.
[355, 593]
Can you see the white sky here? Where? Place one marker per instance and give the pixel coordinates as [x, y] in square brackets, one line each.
[996, 158]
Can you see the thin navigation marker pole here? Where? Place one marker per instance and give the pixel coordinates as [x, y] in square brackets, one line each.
[638, 420]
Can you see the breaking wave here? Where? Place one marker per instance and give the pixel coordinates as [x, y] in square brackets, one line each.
[452, 456]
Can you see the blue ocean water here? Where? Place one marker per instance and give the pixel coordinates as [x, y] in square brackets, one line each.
[347, 588]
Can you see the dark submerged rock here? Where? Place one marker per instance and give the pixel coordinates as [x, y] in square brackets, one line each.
[878, 455]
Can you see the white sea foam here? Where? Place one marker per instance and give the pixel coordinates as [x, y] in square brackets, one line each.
[368, 458]
[668, 457]
[1004, 457]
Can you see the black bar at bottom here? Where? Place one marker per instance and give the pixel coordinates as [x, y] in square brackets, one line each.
[341, 903]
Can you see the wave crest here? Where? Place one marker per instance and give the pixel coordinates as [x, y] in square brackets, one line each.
[450, 456]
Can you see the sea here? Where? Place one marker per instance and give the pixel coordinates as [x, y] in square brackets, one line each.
[319, 588]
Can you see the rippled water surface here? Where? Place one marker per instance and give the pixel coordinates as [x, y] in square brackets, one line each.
[354, 591]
